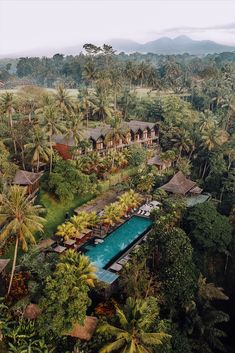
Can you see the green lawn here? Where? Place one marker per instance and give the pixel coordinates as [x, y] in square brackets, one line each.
[55, 215]
[55, 210]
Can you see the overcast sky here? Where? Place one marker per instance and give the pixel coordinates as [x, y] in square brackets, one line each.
[29, 24]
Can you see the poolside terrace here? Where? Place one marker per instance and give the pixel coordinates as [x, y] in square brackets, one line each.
[97, 241]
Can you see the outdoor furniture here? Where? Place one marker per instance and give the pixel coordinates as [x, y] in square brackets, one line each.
[69, 243]
[87, 231]
[123, 261]
[147, 214]
[115, 267]
[59, 249]
[45, 243]
[155, 203]
[98, 241]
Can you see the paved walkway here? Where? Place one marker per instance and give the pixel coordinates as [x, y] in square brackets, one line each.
[98, 204]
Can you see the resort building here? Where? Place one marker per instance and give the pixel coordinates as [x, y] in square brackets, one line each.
[180, 185]
[135, 132]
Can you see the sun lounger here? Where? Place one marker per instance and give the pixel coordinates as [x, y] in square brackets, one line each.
[59, 249]
[115, 267]
[98, 241]
[123, 261]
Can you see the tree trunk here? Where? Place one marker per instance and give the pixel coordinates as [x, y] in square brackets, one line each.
[115, 101]
[38, 161]
[13, 265]
[204, 170]
[23, 159]
[51, 154]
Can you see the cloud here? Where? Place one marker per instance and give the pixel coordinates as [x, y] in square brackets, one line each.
[229, 27]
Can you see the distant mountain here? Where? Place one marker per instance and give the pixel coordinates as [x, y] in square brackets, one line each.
[178, 45]
[163, 45]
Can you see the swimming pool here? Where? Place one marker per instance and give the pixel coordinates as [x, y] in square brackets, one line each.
[119, 240]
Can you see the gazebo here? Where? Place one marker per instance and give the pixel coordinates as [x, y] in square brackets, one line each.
[159, 163]
[86, 331]
[28, 179]
[179, 184]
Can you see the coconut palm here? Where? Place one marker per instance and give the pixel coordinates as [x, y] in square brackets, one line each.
[84, 268]
[112, 214]
[38, 148]
[116, 80]
[7, 109]
[132, 335]
[129, 200]
[74, 129]
[67, 230]
[209, 291]
[83, 220]
[19, 218]
[85, 103]
[131, 72]
[102, 105]
[90, 72]
[117, 131]
[7, 103]
[51, 124]
[63, 101]
[143, 71]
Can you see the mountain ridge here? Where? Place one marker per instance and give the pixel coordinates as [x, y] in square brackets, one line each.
[163, 45]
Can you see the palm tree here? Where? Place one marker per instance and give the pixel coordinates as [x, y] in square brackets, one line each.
[129, 200]
[182, 141]
[118, 132]
[19, 217]
[38, 148]
[85, 103]
[131, 72]
[90, 71]
[7, 109]
[7, 106]
[75, 129]
[67, 230]
[52, 125]
[116, 79]
[84, 268]
[131, 334]
[143, 71]
[112, 214]
[63, 101]
[102, 105]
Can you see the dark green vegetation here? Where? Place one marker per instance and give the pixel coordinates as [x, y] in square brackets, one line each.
[171, 298]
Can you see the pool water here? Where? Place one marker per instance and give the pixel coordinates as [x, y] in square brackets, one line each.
[115, 243]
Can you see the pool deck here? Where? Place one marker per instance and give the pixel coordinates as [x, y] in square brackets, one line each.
[118, 242]
[98, 204]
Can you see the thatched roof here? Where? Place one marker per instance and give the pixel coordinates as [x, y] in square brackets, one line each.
[179, 184]
[196, 190]
[45, 243]
[155, 161]
[32, 312]
[103, 130]
[23, 177]
[86, 331]
[3, 264]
